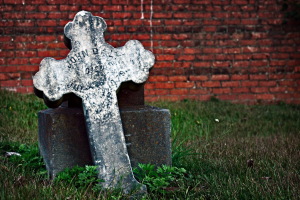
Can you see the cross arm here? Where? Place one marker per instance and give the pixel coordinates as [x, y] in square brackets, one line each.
[51, 80]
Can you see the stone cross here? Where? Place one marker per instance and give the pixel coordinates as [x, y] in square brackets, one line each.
[94, 70]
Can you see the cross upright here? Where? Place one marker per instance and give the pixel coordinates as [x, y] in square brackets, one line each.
[94, 70]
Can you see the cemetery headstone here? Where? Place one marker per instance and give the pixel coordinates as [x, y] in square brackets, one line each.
[93, 71]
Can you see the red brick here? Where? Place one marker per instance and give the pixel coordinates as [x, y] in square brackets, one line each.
[276, 76]
[241, 64]
[75, 1]
[250, 49]
[207, 57]
[181, 36]
[162, 15]
[177, 78]
[28, 68]
[278, 89]
[261, 56]
[14, 75]
[231, 50]
[10, 83]
[36, 15]
[249, 21]
[258, 63]
[13, 1]
[249, 83]
[179, 91]
[169, 43]
[17, 61]
[239, 77]
[191, 51]
[198, 91]
[46, 22]
[186, 57]
[47, 53]
[25, 53]
[220, 77]
[102, 2]
[6, 23]
[287, 83]
[115, 8]
[267, 83]
[4, 77]
[7, 53]
[24, 23]
[158, 78]
[56, 45]
[9, 69]
[2, 61]
[209, 29]
[182, 64]
[202, 64]
[162, 92]
[16, 15]
[230, 84]
[149, 92]
[68, 7]
[221, 90]
[258, 77]
[165, 57]
[277, 62]
[26, 82]
[198, 78]
[6, 38]
[211, 84]
[149, 86]
[220, 64]
[201, 15]
[173, 22]
[159, 64]
[247, 42]
[212, 50]
[48, 8]
[259, 89]
[182, 15]
[184, 84]
[233, 21]
[181, 1]
[164, 85]
[240, 90]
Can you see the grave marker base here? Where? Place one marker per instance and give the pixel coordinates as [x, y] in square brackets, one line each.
[63, 140]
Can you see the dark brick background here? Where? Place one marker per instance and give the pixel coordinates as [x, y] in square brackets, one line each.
[243, 51]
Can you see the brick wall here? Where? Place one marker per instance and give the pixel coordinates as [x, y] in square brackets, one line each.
[238, 50]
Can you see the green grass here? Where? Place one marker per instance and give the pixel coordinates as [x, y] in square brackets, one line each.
[212, 140]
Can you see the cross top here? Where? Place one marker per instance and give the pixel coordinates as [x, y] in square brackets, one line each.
[94, 70]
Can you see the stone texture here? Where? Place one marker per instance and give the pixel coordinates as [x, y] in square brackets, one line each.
[63, 138]
[94, 71]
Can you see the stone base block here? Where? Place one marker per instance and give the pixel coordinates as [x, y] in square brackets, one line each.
[63, 140]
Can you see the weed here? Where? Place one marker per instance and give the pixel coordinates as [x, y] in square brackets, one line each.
[28, 158]
[81, 177]
[158, 179]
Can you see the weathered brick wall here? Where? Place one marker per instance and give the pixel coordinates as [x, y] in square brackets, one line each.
[237, 50]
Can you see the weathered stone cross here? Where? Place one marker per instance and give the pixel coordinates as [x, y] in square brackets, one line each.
[94, 70]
